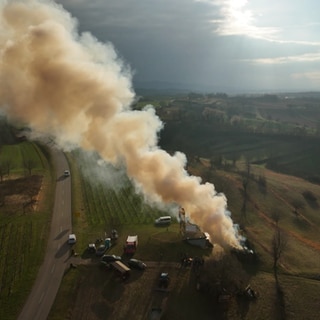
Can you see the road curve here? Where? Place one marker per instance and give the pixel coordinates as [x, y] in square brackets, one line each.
[56, 260]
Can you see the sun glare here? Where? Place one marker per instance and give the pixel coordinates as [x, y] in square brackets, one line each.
[237, 18]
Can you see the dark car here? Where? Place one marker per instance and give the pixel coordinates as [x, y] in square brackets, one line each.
[92, 248]
[164, 280]
[137, 264]
[101, 250]
[107, 258]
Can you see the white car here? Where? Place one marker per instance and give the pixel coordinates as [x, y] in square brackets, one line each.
[66, 173]
[72, 238]
[163, 221]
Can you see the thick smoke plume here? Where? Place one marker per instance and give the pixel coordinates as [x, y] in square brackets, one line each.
[75, 89]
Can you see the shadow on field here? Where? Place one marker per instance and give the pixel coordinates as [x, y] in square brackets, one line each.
[135, 275]
[313, 204]
[61, 178]
[61, 234]
[301, 223]
[280, 307]
[101, 310]
[63, 250]
[113, 290]
[243, 306]
[88, 255]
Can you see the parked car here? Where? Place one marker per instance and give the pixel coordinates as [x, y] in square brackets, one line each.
[107, 258]
[92, 248]
[163, 221]
[66, 173]
[72, 238]
[164, 280]
[101, 250]
[137, 264]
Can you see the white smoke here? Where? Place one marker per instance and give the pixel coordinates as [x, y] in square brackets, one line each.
[74, 88]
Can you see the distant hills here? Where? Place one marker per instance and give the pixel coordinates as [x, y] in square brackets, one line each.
[167, 87]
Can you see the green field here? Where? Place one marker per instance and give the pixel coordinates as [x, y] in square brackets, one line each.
[23, 230]
[100, 205]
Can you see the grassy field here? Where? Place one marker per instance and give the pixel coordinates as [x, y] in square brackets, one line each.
[301, 228]
[89, 292]
[23, 229]
[101, 203]
[104, 198]
[21, 155]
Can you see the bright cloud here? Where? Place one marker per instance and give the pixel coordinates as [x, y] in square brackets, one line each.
[308, 57]
[252, 19]
[238, 19]
[307, 75]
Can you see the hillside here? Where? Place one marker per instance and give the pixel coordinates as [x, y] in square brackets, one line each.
[279, 133]
[232, 158]
[266, 168]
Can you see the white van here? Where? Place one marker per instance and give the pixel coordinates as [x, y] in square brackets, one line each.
[72, 238]
[165, 220]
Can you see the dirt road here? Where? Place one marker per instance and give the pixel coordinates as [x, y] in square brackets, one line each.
[41, 298]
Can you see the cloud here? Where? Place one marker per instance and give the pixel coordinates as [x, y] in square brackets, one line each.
[307, 57]
[314, 76]
[240, 17]
[237, 19]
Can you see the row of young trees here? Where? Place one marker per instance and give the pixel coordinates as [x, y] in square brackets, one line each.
[6, 165]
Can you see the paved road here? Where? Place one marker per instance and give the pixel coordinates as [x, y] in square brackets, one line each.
[57, 256]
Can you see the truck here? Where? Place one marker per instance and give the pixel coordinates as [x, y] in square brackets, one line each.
[131, 245]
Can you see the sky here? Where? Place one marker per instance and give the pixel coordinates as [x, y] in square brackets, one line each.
[214, 45]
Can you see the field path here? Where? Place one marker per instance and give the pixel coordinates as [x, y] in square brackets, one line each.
[45, 288]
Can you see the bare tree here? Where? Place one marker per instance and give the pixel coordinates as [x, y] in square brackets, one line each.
[235, 156]
[8, 164]
[2, 197]
[2, 171]
[275, 215]
[5, 166]
[297, 205]
[29, 165]
[245, 183]
[279, 245]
